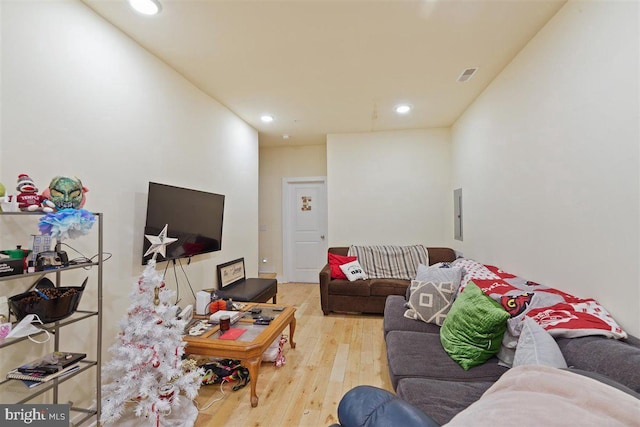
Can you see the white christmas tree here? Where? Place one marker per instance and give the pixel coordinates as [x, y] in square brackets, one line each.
[147, 366]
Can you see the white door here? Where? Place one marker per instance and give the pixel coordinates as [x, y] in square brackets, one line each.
[304, 228]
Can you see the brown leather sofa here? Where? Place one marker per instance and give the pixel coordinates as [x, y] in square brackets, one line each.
[366, 296]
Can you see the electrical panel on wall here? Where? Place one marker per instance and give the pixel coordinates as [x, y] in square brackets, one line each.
[457, 214]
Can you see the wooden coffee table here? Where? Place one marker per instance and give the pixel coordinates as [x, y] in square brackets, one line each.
[249, 346]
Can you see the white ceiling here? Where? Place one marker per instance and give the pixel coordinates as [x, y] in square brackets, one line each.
[323, 66]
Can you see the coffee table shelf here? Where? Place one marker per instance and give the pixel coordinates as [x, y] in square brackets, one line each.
[248, 347]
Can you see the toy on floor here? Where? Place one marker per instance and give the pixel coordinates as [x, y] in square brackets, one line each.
[28, 198]
[225, 370]
[280, 359]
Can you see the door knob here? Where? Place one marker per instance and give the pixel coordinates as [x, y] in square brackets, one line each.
[322, 237]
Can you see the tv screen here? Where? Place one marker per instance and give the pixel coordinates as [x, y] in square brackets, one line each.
[194, 218]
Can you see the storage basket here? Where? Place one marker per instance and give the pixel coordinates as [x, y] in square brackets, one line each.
[50, 303]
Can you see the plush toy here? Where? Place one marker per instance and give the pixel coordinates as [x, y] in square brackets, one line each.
[66, 192]
[2, 191]
[28, 198]
[7, 201]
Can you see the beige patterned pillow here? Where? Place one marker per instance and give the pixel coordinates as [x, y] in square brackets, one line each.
[430, 301]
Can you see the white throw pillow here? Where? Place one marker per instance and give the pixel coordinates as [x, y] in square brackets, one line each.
[537, 347]
[353, 271]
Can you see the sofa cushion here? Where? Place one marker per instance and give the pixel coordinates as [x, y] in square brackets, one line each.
[430, 301]
[251, 289]
[442, 400]
[335, 261]
[441, 272]
[394, 319]
[345, 287]
[615, 359]
[384, 287]
[424, 274]
[537, 347]
[353, 271]
[534, 395]
[420, 355]
[472, 331]
[605, 380]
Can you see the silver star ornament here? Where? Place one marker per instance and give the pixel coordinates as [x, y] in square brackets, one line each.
[159, 243]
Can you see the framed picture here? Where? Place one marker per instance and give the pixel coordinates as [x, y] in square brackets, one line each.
[230, 272]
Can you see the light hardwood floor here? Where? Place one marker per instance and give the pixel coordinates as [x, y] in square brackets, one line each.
[333, 354]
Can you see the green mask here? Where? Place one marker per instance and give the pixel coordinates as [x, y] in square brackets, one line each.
[66, 192]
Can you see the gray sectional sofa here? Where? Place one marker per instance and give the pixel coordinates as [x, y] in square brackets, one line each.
[425, 376]
[432, 388]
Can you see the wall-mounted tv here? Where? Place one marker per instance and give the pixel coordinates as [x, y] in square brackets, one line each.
[194, 218]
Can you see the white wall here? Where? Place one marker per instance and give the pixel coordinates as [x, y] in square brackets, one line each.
[277, 163]
[80, 98]
[389, 187]
[548, 159]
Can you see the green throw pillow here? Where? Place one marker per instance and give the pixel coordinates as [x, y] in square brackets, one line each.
[473, 329]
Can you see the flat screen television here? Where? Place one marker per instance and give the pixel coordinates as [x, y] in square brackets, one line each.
[194, 218]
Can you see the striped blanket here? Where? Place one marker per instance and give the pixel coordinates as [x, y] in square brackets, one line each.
[390, 262]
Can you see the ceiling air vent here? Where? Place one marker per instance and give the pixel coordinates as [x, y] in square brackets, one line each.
[467, 74]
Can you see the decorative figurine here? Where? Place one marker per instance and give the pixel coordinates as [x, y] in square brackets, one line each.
[28, 198]
[66, 192]
[2, 192]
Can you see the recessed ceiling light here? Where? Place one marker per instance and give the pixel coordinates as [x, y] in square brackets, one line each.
[403, 109]
[285, 136]
[267, 118]
[146, 7]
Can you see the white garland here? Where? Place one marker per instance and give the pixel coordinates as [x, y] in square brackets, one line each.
[147, 358]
